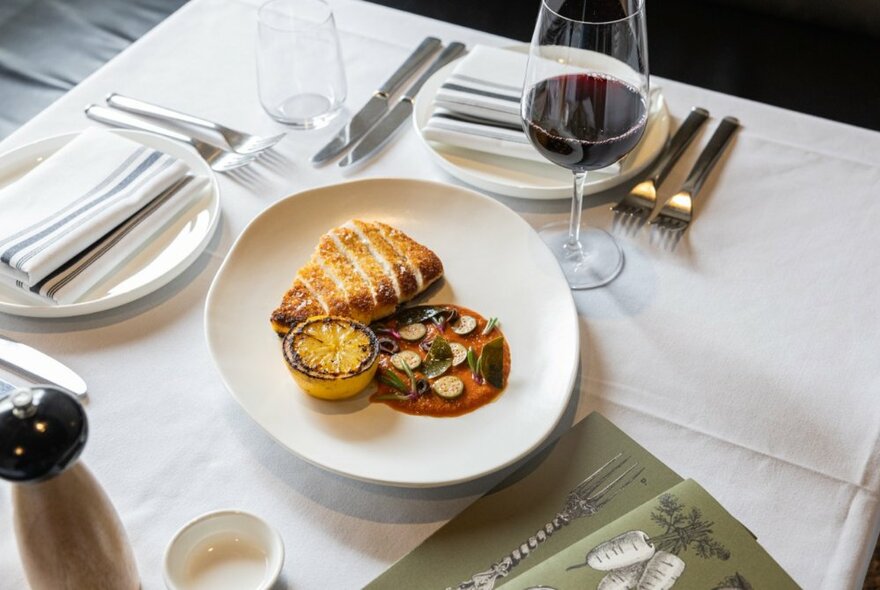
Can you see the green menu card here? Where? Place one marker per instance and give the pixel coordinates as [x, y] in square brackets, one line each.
[681, 538]
[588, 479]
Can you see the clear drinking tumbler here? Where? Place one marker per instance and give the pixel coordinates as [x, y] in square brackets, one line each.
[299, 64]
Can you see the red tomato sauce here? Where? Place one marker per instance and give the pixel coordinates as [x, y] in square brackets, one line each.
[430, 404]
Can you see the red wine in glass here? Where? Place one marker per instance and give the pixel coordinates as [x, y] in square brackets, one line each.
[584, 121]
[584, 107]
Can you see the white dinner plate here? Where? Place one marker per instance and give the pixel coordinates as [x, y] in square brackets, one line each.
[515, 177]
[164, 258]
[494, 263]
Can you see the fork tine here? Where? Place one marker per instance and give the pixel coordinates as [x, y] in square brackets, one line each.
[598, 477]
[590, 477]
[619, 219]
[670, 232]
[232, 162]
[639, 223]
[626, 222]
[628, 217]
[264, 143]
[657, 233]
[616, 221]
[597, 495]
[667, 239]
[618, 485]
[275, 138]
[633, 225]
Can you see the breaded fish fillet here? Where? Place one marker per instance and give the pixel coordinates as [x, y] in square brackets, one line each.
[360, 270]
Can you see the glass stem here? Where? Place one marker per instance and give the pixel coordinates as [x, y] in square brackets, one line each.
[577, 202]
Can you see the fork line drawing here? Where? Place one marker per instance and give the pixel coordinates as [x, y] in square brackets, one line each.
[586, 499]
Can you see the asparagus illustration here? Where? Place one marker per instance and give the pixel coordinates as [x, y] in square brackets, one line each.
[586, 499]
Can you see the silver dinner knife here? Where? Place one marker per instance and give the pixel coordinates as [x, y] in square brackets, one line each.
[21, 357]
[384, 130]
[378, 103]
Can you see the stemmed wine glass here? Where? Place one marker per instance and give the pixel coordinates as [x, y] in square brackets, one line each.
[584, 107]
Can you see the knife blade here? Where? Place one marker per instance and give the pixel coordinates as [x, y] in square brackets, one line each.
[390, 123]
[21, 357]
[6, 388]
[378, 103]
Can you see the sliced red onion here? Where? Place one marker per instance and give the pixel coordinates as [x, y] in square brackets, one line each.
[388, 345]
[388, 332]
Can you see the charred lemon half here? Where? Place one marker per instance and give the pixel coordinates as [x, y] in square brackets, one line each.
[331, 357]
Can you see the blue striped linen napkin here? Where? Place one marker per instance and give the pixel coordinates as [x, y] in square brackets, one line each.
[75, 197]
[90, 267]
[478, 106]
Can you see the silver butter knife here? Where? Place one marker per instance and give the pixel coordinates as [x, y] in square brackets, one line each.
[384, 130]
[23, 358]
[378, 103]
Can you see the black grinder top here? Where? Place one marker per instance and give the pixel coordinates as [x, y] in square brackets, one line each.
[42, 432]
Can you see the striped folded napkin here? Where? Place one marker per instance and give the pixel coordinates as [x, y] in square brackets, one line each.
[494, 137]
[478, 107]
[83, 196]
[486, 84]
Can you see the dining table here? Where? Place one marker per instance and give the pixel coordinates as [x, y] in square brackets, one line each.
[745, 357]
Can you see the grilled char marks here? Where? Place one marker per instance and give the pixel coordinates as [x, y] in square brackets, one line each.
[394, 260]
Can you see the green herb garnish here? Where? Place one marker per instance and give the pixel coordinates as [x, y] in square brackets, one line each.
[412, 378]
[472, 360]
[490, 325]
[406, 393]
[438, 359]
[391, 379]
[491, 362]
[418, 314]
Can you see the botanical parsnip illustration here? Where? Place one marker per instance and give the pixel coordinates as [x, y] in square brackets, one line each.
[586, 499]
[635, 560]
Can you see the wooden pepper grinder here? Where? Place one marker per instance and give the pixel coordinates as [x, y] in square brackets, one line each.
[69, 535]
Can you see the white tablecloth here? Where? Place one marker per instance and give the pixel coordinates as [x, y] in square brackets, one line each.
[747, 359]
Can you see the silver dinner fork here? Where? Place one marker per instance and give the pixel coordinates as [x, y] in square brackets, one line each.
[219, 160]
[239, 141]
[636, 207]
[677, 212]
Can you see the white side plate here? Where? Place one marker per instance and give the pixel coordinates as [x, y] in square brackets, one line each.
[494, 263]
[156, 265]
[523, 179]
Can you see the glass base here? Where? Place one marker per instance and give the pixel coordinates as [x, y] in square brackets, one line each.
[596, 262]
[304, 111]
